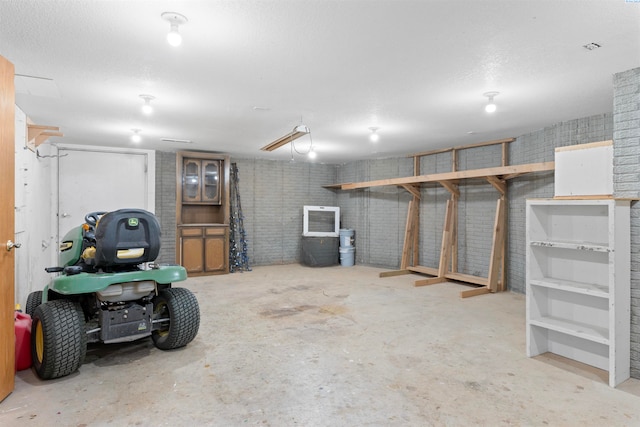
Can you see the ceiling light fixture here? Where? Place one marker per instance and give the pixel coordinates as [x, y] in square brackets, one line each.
[491, 106]
[146, 107]
[374, 137]
[296, 133]
[174, 38]
[135, 137]
[592, 46]
[312, 153]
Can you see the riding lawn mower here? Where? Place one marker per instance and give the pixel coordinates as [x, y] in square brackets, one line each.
[109, 290]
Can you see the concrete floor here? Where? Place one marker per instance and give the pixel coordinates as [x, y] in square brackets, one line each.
[337, 346]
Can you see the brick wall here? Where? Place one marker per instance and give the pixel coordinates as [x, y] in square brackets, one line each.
[378, 215]
[272, 195]
[166, 205]
[626, 183]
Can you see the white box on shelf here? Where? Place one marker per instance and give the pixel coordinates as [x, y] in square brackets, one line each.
[584, 170]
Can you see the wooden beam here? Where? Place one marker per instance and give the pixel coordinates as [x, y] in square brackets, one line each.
[454, 160]
[467, 278]
[463, 147]
[445, 248]
[423, 270]
[409, 231]
[454, 233]
[449, 176]
[496, 248]
[413, 189]
[505, 154]
[451, 188]
[393, 273]
[429, 281]
[473, 292]
[37, 134]
[498, 184]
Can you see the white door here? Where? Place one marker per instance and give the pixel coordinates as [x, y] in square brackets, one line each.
[91, 180]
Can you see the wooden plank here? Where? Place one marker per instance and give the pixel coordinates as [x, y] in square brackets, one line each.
[392, 273]
[463, 147]
[458, 277]
[502, 283]
[586, 197]
[467, 278]
[423, 270]
[448, 176]
[451, 188]
[430, 281]
[454, 160]
[585, 146]
[408, 233]
[498, 184]
[445, 248]
[454, 233]
[496, 247]
[413, 189]
[473, 292]
[505, 154]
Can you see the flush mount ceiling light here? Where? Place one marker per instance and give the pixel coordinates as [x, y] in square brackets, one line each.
[146, 107]
[175, 20]
[135, 137]
[491, 106]
[296, 133]
[591, 46]
[374, 137]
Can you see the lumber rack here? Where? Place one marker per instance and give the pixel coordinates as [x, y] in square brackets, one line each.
[447, 268]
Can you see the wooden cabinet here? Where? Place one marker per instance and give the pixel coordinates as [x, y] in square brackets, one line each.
[578, 282]
[204, 249]
[202, 207]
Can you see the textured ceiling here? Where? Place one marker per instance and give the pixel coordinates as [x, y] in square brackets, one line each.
[249, 71]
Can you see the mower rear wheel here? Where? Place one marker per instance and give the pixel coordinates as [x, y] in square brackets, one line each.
[58, 339]
[179, 315]
[34, 299]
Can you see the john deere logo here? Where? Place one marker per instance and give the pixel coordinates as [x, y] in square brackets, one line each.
[133, 222]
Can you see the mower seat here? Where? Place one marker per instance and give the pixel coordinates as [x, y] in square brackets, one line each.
[126, 237]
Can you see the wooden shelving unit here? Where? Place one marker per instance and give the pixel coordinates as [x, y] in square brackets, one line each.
[447, 268]
[202, 211]
[578, 282]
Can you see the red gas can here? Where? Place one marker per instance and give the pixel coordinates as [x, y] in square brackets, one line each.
[23, 340]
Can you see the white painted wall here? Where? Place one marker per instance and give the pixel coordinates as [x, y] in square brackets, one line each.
[34, 215]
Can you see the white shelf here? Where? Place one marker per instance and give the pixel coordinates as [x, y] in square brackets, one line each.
[579, 246]
[576, 329]
[578, 282]
[595, 290]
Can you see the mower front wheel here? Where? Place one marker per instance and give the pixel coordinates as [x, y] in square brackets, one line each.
[58, 339]
[176, 315]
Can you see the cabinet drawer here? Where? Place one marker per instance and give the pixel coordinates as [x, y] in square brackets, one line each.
[215, 231]
[191, 232]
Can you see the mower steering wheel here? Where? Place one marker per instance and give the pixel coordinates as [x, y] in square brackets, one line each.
[92, 218]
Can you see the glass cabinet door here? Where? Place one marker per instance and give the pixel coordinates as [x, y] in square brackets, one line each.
[211, 181]
[191, 181]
